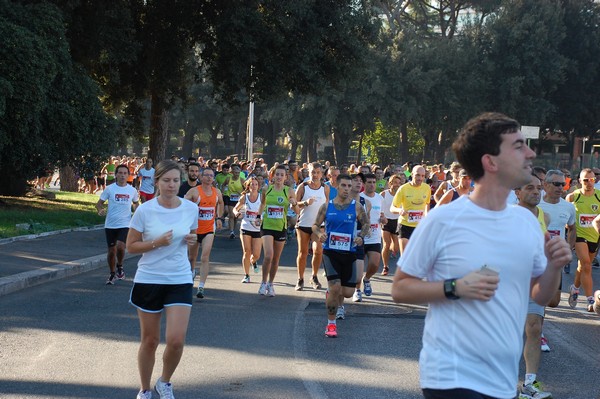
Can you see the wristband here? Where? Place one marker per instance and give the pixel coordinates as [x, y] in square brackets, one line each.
[450, 289]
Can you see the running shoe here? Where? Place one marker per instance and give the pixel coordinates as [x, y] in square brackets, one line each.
[263, 289]
[385, 271]
[544, 344]
[164, 390]
[246, 279]
[200, 293]
[120, 273]
[533, 391]
[144, 395]
[590, 305]
[231, 235]
[341, 313]
[255, 267]
[357, 296]
[300, 285]
[331, 331]
[314, 282]
[567, 269]
[573, 295]
[367, 287]
[270, 290]
[111, 279]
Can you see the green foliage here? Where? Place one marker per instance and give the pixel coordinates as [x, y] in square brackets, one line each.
[51, 114]
[381, 144]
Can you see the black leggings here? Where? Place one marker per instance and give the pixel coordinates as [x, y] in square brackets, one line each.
[458, 393]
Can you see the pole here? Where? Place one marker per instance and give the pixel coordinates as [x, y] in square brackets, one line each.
[251, 131]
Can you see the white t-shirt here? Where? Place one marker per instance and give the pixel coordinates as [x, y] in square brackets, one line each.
[168, 264]
[119, 200]
[147, 185]
[561, 215]
[452, 241]
[388, 197]
[375, 214]
[308, 213]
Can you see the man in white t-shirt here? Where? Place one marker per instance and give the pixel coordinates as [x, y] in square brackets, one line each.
[146, 174]
[476, 262]
[121, 198]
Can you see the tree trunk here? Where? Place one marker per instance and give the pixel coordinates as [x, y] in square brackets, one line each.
[270, 140]
[240, 139]
[294, 149]
[341, 145]
[187, 147]
[360, 141]
[69, 181]
[403, 142]
[158, 128]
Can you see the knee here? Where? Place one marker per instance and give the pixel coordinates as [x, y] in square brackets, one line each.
[150, 343]
[533, 328]
[176, 343]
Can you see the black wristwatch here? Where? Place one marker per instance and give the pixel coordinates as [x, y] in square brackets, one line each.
[450, 289]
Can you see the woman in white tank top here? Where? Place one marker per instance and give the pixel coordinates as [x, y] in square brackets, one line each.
[248, 206]
[390, 230]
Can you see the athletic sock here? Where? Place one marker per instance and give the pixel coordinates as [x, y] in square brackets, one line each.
[331, 322]
[529, 379]
[200, 285]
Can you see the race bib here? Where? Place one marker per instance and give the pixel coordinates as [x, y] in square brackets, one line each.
[340, 241]
[251, 215]
[586, 220]
[234, 197]
[415, 216]
[275, 212]
[206, 213]
[374, 228]
[554, 233]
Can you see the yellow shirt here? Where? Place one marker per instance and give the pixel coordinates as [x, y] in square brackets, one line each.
[414, 201]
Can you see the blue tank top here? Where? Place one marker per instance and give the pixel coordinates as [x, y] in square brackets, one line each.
[339, 227]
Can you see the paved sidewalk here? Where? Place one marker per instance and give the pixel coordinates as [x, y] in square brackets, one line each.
[28, 262]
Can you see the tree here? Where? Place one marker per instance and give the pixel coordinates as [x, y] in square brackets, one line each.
[50, 114]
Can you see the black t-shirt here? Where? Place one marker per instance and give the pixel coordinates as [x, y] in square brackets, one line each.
[184, 188]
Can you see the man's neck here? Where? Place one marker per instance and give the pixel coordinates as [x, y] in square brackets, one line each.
[192, 183]
[533, 209]
[371, 195]
[489, 195]
[551, 200]
[122, 184]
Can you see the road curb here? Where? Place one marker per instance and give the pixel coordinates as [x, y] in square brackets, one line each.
[49, 233]
[32, 278]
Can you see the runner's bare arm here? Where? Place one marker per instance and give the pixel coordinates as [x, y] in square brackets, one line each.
[316, 227]
[192, 195]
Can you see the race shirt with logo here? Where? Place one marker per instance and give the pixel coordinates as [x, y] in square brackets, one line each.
[561, 215]
[586, 209]
[339, 227]
[275, 212]
[207, 209]
[414, 201]
[380, 185]
[120, 199]
[376, 208]
[235, 189]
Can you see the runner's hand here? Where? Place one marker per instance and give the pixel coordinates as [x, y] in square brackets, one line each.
[190, 239]
[557, 252]
[477, 285]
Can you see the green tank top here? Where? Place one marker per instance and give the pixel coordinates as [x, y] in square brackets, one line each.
[110, 171]
[274, 216]
[235, 186]
[586, 208]
[380, 185]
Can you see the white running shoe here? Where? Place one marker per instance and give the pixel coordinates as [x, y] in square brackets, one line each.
[144, 395]
[270, 290]
[357, 296]
[341, 313]
[164, 390]
[263, 289]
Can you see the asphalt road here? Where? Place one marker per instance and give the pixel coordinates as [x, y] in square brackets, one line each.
[77, 338]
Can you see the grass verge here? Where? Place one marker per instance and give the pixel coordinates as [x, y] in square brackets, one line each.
[38, 215]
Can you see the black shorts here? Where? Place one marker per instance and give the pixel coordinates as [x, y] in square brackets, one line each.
[101, 181]
[458, 393]
[391, 226]
[226, 200]
[277, 235]
[253, 234]
[307, 230]
[153, 298]
[406, 231]
[340, 266]
[201, 236]
[373, 248]
[592, 246]
[114, 235]
[360, 252]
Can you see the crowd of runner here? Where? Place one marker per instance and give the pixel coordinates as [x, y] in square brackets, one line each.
[366, 210]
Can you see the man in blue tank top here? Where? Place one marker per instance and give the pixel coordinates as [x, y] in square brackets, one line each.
[339, 248]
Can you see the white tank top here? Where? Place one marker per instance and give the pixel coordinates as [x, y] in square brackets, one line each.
[308, 214]
[250, 215]
[375, 214]
[388, 198]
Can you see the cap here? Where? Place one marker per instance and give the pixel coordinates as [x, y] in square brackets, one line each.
[463, 173]
[455, 166]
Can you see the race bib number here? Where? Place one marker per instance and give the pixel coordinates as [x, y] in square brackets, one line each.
[340, 241]
[374, 228]
[206, 213]
[251, 215]
[554, 233]
[586, 220]
[275, 212]
[415, 216]
[234, 197]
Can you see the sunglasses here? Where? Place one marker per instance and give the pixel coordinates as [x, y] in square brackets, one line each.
[588, 180]
[558, 184]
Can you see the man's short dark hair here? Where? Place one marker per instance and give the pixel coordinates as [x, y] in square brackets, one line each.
[480, 136]
[121, 166]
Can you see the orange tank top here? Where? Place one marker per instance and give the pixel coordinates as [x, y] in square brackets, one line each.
[207, 207]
